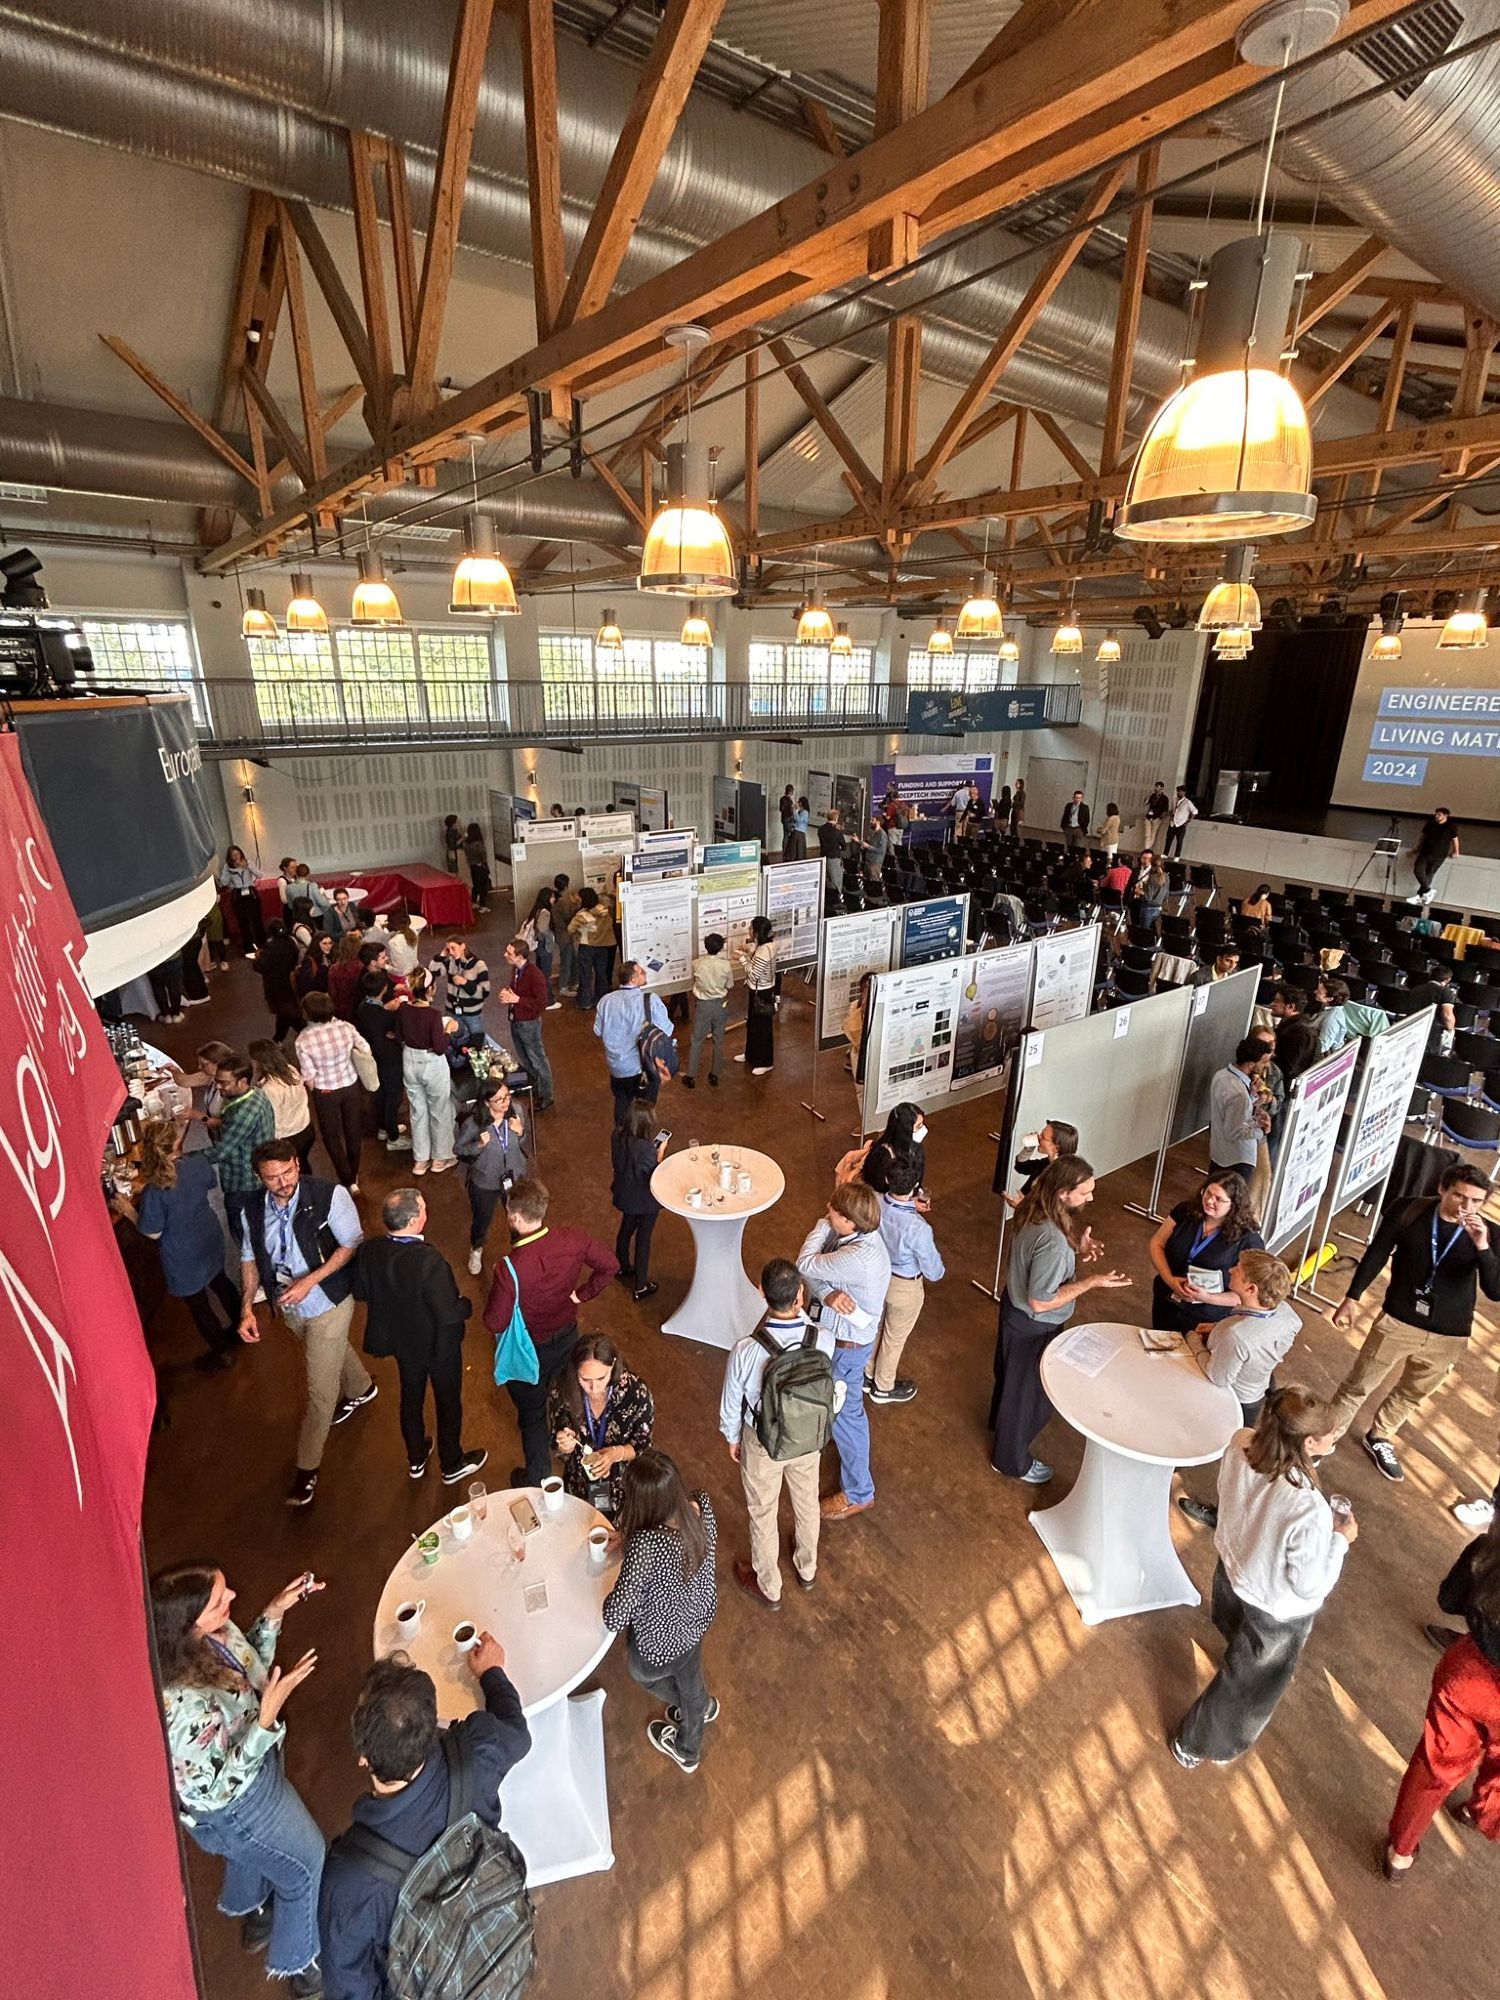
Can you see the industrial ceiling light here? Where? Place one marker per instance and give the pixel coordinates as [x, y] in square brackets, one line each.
[688, 551]
[1388, 645]
[841, 645]
[609, 638]
[1467, 628]
[304, 613]
[482, 585]
[1010, 647]
[1108, 654]
[980, 617]
[696, 630]
[940, 639]
[1067, 640]
[256, 621]
[814, 622]
[374, 602]
[1233, 601]
[1229, 457]
[1233, 642]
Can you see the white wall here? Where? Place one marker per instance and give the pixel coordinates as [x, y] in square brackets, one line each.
[1422, 777]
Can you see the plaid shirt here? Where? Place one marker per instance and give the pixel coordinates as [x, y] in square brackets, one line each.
[247, 1120]
[323, 1054]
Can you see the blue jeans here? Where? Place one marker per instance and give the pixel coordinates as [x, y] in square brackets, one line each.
[567, 959]
[851, 1425]
[527, 1036]
[473, 1027]
[596, 972]
[272, 1848]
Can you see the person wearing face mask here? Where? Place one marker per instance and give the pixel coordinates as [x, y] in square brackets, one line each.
[904, 1137]
[1057, 1140]
[601, 1417]
[1040, 1295]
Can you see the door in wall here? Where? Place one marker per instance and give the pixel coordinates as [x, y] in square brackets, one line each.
[1050, 783]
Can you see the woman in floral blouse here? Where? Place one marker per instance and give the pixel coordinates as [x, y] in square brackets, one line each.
[600, 1416]
[223, 1697]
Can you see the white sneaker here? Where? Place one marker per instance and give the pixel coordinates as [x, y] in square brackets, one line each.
[740, 1057]
[553, 1006]
[1477, 1514]
[476, 1263]
[1414, 899]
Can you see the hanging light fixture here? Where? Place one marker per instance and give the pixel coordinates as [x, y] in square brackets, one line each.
[1233, 601]
[1108, 654]
[1233, 642]
[374, 601]
[814, 622]
[256, 621]
[1467, 628]
[940, 639]
[1388, 645]
[609, 638]
[696, 630]
[1010, 647]
[841, 645]
[1067, 640]
[980, 617]
[688, 551]
[482, 585]
[1229, 457]
[304, 613]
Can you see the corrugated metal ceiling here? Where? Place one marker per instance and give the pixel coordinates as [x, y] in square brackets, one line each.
[840, 36]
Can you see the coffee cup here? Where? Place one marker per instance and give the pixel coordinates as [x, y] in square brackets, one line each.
[461, 1523]
[695, 1197]
[726, 1177]
[598, 1547]
[429, 1546]
[552, 1494]
[466, 1635]
[409, 1616]
[743, 1180]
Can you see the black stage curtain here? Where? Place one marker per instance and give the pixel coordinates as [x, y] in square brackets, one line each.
[1284, 710]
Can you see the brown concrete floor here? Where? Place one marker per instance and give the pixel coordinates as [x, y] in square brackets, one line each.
[929, 1777]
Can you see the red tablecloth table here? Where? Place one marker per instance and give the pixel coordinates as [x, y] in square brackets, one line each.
[442, 899]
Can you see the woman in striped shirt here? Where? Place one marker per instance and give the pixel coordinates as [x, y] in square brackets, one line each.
[759, 964]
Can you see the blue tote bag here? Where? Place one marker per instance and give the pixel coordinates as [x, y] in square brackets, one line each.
[515, 1351]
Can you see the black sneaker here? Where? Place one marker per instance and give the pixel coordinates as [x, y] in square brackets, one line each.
[347, 1405]
[625, 1275]
[415, 1467]
[1201, 1511]
[690, 1083]
[471, 1461]
[713, 1077]
[901, 1391]
[711, 1714]
[663, 1737]
[1184, 1757]
[306, 1984]
[304, 1485]
[645, 1291]
[1384, 1454]
[255, 1930]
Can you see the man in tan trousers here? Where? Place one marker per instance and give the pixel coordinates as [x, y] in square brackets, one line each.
[908, 1237]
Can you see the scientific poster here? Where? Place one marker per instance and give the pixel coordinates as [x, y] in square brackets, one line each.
[1064, 987]
[601, 829]
[660, 855]
[933, 929]
[602, 863]
[1390, 1075]
[819, 794]
[860, 942]
[792, 897]
[659, 929]
[652, 807]
[536, 830]
[912, 1026]
[991, 1012]
[731, 853]
[1315, 1107]
[727, 900]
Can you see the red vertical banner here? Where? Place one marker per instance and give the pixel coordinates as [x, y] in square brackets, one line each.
[91, 1891]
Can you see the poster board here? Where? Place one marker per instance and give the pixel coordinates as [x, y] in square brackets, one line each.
[657, 930]
[727, 901]
[909, 1040]
[1382, 1095]
[849, 797]
[504, 810]
[1314, 1107]
[550, 849]
[732, 854]
[1063, 985]
[819, 794]
[1218, 1023]
[791, 895]
[652, 807]
[603, 829]
[932, 929]
[859, 942]
[1115, 1086]
[542, 830]
[601, 864]
[626, 797]
[993, 1009]
[660, 854]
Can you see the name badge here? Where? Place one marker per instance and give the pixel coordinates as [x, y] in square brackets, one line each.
[1423, 1305]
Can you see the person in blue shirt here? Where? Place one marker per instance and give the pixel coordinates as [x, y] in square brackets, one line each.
[619, 1019]
[794, 847]
[915, 1261]
[173, 1212]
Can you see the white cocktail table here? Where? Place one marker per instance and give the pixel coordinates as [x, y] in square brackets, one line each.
[555, 1803]
[1142, 1414]
[722, 1305]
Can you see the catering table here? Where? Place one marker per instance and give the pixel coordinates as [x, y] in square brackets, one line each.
[722, 1305]
[1142, 1414]
[554, 1804]
[441, 898]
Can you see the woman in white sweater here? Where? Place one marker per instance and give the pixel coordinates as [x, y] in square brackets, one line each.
[1281, 1548]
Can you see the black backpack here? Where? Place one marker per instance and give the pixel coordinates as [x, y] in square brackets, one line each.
[654, 1045]
[464, 1920]
[796, 1397]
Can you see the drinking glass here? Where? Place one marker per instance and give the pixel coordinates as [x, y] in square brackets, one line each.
[479, 1500]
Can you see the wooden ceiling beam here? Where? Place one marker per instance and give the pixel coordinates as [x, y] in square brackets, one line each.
[1359, 343]
[617, 487]
[1128, 315]
[902, 61]
[752, 443]
[257, 251]
[821, 126]
[220, 446]
[903, 384]
[302, 355]
[363, 166]
[1031, 20]
[336, 297]
[279, 425]
[686, 30]
[471, 40]
[1017, 470]
[1331, 290]
[1390, 397]
[867, 486]
[549, 267]
[1064, 443]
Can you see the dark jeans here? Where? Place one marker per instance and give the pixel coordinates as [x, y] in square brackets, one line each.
[527, 1036]
[1255, 1673]
[1175, 837]
[221, 1339]
[636, 1228]
[679, 1684]
[1020, 1408]
[249, 919]
[234, 1214]
[482, 1205]
[304, 1141]
[388, 1097]
[194, 985]
[446, 1374]
[530, 1399]
[166, 985]
[596, 972]
[625, 1090]
[480, 878]
[760, 1029]
[341, 1126]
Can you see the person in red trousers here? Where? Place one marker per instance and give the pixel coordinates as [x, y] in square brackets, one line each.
[1462, 1730]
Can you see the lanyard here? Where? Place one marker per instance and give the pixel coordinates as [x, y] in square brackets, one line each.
[285, 1239]
[501, 1127]
[1439, 1255]
[230, 1659]
[1202, 1237]
[597, 1429]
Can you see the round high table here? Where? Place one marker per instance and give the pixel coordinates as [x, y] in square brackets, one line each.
[722, 1305]
[1141, 1414]
[554, 1803]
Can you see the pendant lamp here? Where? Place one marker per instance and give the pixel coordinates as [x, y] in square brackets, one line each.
[1109, 649]
[1467, 628]
[696, 630]
[1067, 640]
[688, 552]
[841, 645]
[1233, 642]
[304, 613]
[814, 622]
[1010, 647]
[980, 617]
[1388, 645]
[940, 639]
[256, 621]
[609, 638]
[374, 602]
[1233, 601]
[482, 585]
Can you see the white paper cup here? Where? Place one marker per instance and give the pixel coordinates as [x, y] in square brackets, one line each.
[466, 1635]
[552, 1494]
[744, 1182]
[409, 1616]
[726, 1177]
[598, 1547]
[695, 1197]
[461, 1521]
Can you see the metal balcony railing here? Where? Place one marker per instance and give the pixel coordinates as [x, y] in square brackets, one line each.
[245, 716]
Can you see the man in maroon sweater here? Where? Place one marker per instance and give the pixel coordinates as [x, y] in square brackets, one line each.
[558, 1270]
[529, 996]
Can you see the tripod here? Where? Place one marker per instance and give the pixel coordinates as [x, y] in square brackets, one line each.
[1387, 850]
